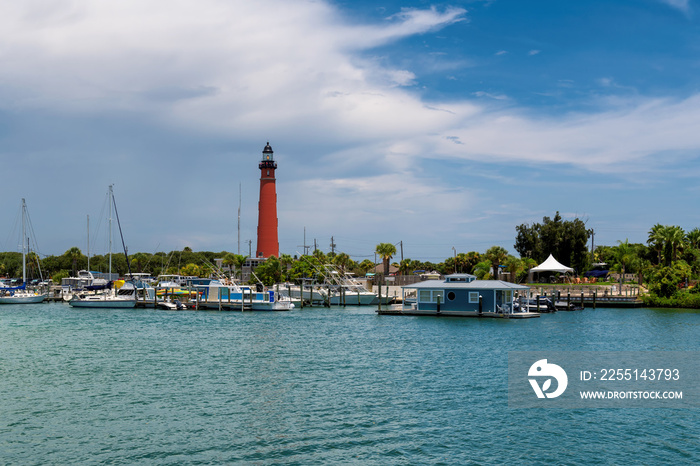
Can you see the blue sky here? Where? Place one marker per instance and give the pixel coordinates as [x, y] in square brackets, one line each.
[437, 125]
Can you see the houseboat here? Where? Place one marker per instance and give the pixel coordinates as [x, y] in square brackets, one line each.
[462, 295]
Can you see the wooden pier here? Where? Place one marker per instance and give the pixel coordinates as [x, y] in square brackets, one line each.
[399, 311]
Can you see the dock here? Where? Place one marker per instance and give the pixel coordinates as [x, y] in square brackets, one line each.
[398, 311]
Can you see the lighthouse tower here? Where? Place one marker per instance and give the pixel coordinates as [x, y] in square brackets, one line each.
[268, 244]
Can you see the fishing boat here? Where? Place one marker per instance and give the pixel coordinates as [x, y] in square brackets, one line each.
[308, 292]
[20, 294]
[346, 289]
[230, 296]
[120, 294]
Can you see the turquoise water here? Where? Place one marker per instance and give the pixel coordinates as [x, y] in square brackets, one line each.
[316, 386]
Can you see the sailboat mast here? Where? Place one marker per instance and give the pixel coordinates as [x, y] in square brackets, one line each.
[24, 236]
[110, 231]
[239, 219]
[88, 242]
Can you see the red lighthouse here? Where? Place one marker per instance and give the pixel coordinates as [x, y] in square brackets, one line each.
[268, 244]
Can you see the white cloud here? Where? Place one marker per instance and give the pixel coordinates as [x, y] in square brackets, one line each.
[490, 95]
[295, 69]
[682, 5]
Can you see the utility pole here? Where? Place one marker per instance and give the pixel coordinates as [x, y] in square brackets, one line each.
[332, 246]
[250, 248]
[306, 248]
[315, 245]
[592, 245]
[401, 243]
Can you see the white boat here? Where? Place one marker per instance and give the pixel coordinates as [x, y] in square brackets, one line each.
[230, 296]
[20, 294]
[314, 295]
[85, 280]
[122, 294]
[124, 297]
[16, 296]
[346, 289]
[173, 281]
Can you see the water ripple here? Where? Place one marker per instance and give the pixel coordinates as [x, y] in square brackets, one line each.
[316, 386]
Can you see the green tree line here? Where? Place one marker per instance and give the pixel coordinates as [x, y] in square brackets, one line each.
[667, 263]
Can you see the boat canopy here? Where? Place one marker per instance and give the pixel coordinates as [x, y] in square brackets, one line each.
[23, 286]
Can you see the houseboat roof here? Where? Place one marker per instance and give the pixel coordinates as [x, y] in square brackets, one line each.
[466, 281]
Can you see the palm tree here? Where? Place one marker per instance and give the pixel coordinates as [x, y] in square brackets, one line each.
[74, 254]
[229, 261]
[320, 255]
[365, 266]
[514, 266]
[286, 262]
[481, 270]
[624, 256]
[239, 260]
[405, 266]
[342, 260]
[674, 237]
[693, 238]
[497, 255]
[386, 251]
[656, 239]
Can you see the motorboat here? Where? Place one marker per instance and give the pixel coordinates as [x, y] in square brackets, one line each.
[231, 296]
[121, 295]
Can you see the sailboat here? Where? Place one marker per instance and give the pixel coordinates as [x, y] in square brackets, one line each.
[121, 294]
[20, 294]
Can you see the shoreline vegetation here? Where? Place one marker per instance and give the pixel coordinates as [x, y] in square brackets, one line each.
[666, 269]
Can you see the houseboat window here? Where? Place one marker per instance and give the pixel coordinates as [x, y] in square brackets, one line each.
[431, 296]
[473, 296]
[451, 296]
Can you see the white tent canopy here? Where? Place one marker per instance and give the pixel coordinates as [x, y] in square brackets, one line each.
[551, 265]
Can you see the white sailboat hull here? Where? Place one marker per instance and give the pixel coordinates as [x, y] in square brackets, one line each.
[22, 298]
[107, 302]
